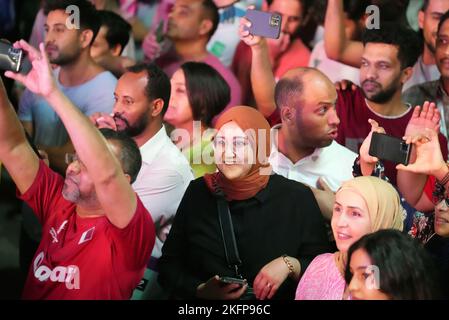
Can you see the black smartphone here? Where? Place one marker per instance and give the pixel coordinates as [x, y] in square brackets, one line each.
[230, 280]
[390, 148]
[12, 59]
[264, 24]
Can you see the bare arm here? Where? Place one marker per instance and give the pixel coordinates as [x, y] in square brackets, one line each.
[262, 78]
[15, 153]
[28, 126]
[102, 166]
[337, 46]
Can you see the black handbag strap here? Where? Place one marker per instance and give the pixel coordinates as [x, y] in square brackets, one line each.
[227, 233]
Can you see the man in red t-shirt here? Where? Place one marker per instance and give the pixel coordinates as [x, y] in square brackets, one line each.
[97, 236]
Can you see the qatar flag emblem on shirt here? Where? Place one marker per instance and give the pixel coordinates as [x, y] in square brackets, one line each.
[87, 235]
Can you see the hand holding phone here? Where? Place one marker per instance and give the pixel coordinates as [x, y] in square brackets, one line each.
[264, 24]
[12, 59]
[232, 280]
[390, 148]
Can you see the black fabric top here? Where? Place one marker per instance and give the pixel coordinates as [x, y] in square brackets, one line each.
[283, 218]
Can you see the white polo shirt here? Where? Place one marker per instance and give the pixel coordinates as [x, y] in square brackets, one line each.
[332, 163]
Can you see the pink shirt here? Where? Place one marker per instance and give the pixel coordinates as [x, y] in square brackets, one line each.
[322, 280]
[83, 258]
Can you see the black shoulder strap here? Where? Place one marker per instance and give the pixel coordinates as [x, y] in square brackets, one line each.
[227, 233]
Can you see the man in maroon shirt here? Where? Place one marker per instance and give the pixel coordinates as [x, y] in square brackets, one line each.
[97, 236]
[387, 63]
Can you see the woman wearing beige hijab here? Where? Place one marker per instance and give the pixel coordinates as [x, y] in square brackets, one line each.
[362, 205]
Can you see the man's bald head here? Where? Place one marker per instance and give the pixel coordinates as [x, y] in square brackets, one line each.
[306, 99]
[293, 86]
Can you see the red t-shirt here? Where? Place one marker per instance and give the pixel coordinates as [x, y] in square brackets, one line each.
[83, 258]
[354, 127]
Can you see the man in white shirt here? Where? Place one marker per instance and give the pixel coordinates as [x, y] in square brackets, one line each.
[304, 149]
[141, 99]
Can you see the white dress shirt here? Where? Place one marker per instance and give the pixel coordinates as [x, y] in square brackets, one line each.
[162, 181]
[332, 163]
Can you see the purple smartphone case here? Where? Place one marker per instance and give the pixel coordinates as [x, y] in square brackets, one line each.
[265, 24]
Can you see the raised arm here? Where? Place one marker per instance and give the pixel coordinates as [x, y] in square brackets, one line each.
[113, 189]
[15, 152]
[262, 78]
[337, 45]
[411, 184]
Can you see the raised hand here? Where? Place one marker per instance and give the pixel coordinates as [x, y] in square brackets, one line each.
[426, 117]
[429, 159]
[40, 79]
[245, 35]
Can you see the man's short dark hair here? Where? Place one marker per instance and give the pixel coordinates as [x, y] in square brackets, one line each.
[211, 13]
[158, 83]
[405, 39]
[443, 18]
[130, 157]
[207, 91]
[289, 91]
[88, 16]
[118, 29]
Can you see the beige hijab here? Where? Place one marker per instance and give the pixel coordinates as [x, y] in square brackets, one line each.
[382, 201]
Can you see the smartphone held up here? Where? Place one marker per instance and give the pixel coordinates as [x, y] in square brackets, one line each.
[390, 148]
[12, 59]
[264, 24]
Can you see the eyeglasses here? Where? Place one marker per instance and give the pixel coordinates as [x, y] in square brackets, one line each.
[238, 143]
[71, 157]
[436, 199]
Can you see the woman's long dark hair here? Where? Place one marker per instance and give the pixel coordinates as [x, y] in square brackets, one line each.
[407, 271]
[207, 91]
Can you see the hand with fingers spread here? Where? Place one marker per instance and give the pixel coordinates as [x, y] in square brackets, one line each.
[270, 278]
[429, 159]
[367, 162]
[103, 120]
[426, 117]
[214, 289]
[40, 79]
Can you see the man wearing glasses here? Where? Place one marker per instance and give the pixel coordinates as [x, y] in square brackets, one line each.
[97, 235]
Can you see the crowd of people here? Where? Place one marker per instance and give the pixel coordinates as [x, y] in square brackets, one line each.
[163, 151]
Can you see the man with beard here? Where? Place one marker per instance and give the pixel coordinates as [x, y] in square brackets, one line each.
[84, 82]
[387, 61]
[97, 235]
[340, 48]
[191, 23]
[437, 90]
[425, 68]
[141, 100]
